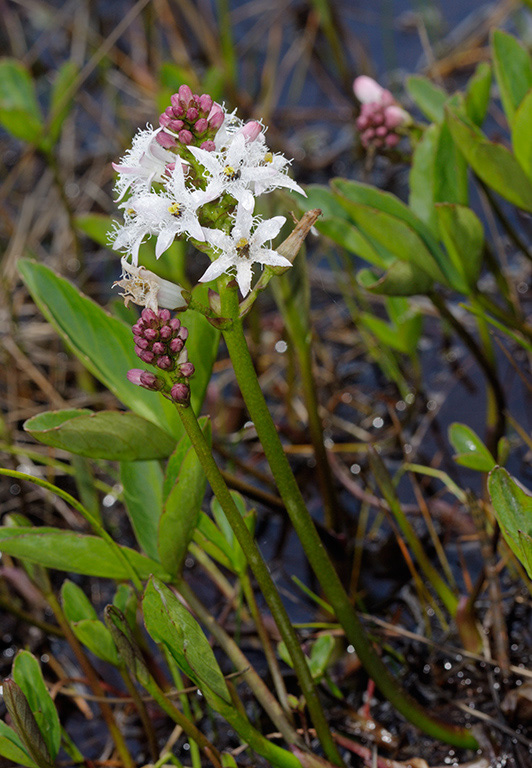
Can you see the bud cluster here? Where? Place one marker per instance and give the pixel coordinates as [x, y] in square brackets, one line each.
[380, 116]
[190, 120]
[160, 341]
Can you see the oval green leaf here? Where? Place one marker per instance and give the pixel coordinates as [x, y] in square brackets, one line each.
[470, 450]
[111, 435]
[28, 675]
[513, 509]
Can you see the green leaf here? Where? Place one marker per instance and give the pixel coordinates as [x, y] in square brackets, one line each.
[27, 674]
[111, 435]
[463, 236]
[492, 163]
[320, 655]
[85, 624]
[19, 109]
[75, 553]
[513, 70]
[209, 537]
[236, 554]
[175, 461]
[477, 97]
[347, 236]
[59, 106]
[169, 622]
[102, 343]
[383, 331]
[428, 97]
[521, 133]
[398, 237]
[351, 193]
[450, 171]
[513, 509]
[182, 509]
[142, 482]
[76, 604]
[401, 279]
[11, 747]
[323, 198]
[470, 450]
[421, 198]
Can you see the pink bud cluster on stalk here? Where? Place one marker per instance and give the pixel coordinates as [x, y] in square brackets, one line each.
[190, 120]
[160, 341]
[380, 115]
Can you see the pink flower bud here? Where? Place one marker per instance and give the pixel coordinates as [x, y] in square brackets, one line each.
[186, 369]
[251, 130]
[175, 125]
[165, 140]
[164, 119]
[192, 114]
[137, 329]
[141, 343]
[169, 111]
[158, 348]
[148, 315]
[150, 381]
[185, 137]
[164, 363]
[175, 323]
[152, 334]
[185, 94]
[367, 90]
[216, 116]
[362, 122]
[392, 140]
[205, 103]
[208, 146]
[394, 116]
[176, 345]
[201, 125]
[145, 355]
[166, 332]
[176, 105]
[134, 375]
[164, 315]
[183, 333]
[180, 393]
[381, 131]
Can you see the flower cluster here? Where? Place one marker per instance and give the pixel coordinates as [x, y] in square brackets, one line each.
[197, 177]
[380, 116]
[160, 341]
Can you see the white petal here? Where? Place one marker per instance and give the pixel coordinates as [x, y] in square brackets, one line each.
[193, 227]
[367, 89]
[243, 276]
[268, 230]
[164, 241]
[218, 238]
[272, 258]
[237, 150]
[207, 159]
[216, 269]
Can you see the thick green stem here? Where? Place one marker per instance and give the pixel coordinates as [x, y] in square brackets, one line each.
[314, 549]
[262, 574]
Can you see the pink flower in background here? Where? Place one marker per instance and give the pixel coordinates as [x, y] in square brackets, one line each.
[380, 116]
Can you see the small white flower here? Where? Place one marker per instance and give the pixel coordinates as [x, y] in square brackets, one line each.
[148, 289]
[166, 214]
[243, 248]
[144, 163]
[245, 168]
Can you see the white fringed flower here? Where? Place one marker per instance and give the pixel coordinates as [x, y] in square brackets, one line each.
[244, 247]
[163, 214]
[245, 170]
[143, 164]
[147, 289]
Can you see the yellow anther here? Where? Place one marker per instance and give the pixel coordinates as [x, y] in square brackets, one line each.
[242, 243]
[174, 209]
[131, 212]
[268, 157]
[229, 171]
